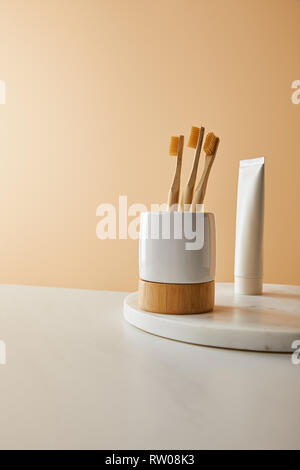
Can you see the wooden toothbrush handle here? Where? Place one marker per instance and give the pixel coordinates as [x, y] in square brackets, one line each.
[187, 196]
[201, 188]
[204, 185]
[173, 197]
[198, 192]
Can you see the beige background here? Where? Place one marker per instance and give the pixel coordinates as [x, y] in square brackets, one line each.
[94, 90]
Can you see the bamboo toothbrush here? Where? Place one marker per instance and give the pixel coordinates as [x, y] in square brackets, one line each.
[176, 149]
[195, 141]
[210, 148]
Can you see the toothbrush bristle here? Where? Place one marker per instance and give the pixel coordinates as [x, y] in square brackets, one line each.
[194, 136]
[173, 150]
[210, 143]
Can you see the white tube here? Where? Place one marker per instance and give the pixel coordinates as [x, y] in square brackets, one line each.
[248, 267]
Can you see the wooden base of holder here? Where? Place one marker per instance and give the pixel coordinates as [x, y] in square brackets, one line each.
[176, 299]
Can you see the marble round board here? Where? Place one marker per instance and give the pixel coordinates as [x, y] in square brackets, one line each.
[269, 322]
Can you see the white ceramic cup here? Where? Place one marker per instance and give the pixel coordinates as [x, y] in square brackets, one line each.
[177, 247]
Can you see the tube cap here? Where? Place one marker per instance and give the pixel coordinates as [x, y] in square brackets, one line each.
[247, 286]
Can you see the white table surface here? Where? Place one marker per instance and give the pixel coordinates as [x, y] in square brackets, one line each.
[79, 377]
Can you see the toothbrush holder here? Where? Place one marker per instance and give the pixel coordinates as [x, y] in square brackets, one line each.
[177, 262]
